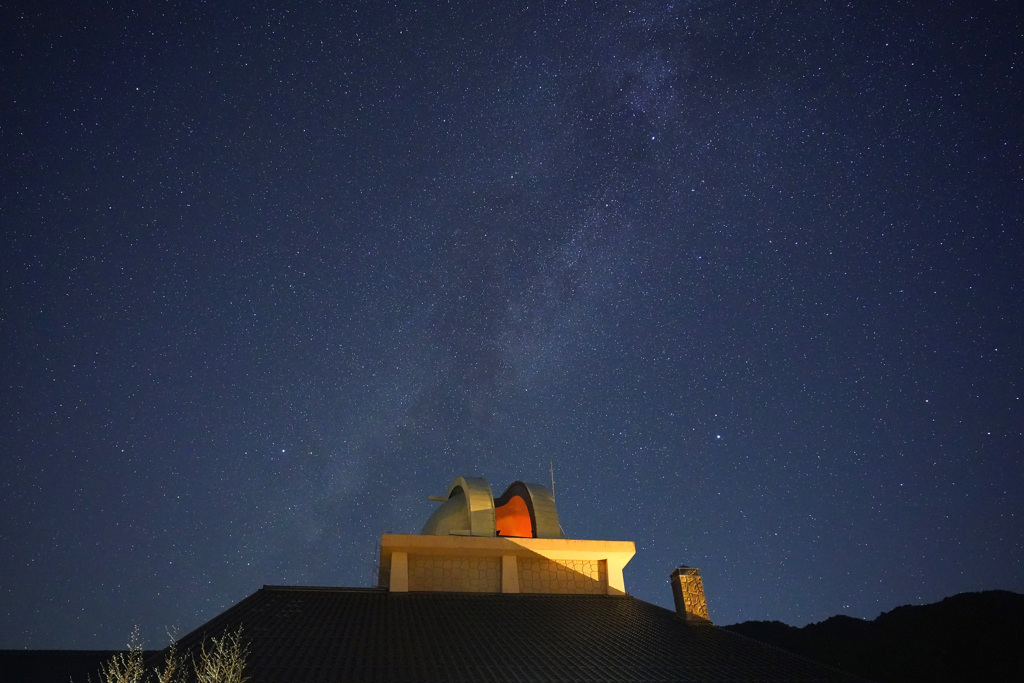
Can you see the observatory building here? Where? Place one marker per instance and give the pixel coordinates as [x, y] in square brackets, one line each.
[476, 543]
[492, 590]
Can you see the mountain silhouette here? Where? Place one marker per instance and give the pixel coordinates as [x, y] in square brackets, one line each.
[967, 637]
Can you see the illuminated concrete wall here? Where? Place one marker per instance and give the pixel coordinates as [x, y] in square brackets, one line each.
[502, 565]
[462, 574]
[566, 577]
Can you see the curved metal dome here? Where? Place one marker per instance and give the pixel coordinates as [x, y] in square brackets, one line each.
[470, 509]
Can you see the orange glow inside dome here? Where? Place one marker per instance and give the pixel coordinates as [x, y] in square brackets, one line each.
[513, 518]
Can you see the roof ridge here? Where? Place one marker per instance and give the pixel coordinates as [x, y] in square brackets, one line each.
[338, 589]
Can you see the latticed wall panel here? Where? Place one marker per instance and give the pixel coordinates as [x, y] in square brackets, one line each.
[566, 577]
[469, 574]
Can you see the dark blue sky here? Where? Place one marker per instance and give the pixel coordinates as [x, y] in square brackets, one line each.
[750, 276]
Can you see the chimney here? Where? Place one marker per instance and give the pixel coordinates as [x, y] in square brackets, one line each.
[688, 591]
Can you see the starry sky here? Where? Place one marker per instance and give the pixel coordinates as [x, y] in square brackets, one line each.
[748, 274]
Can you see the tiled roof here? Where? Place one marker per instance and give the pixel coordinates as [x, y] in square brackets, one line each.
[344, 634]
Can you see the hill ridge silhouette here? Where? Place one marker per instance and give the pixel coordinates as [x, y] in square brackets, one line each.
[968, 636]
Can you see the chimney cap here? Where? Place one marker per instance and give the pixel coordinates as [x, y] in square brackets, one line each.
[683, 570]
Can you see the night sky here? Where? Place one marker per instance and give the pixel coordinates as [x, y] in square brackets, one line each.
[750, 276]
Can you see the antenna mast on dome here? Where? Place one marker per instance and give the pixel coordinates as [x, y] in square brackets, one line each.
[551, 464]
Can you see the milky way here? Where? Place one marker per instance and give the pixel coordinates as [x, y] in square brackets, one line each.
[749, 277]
